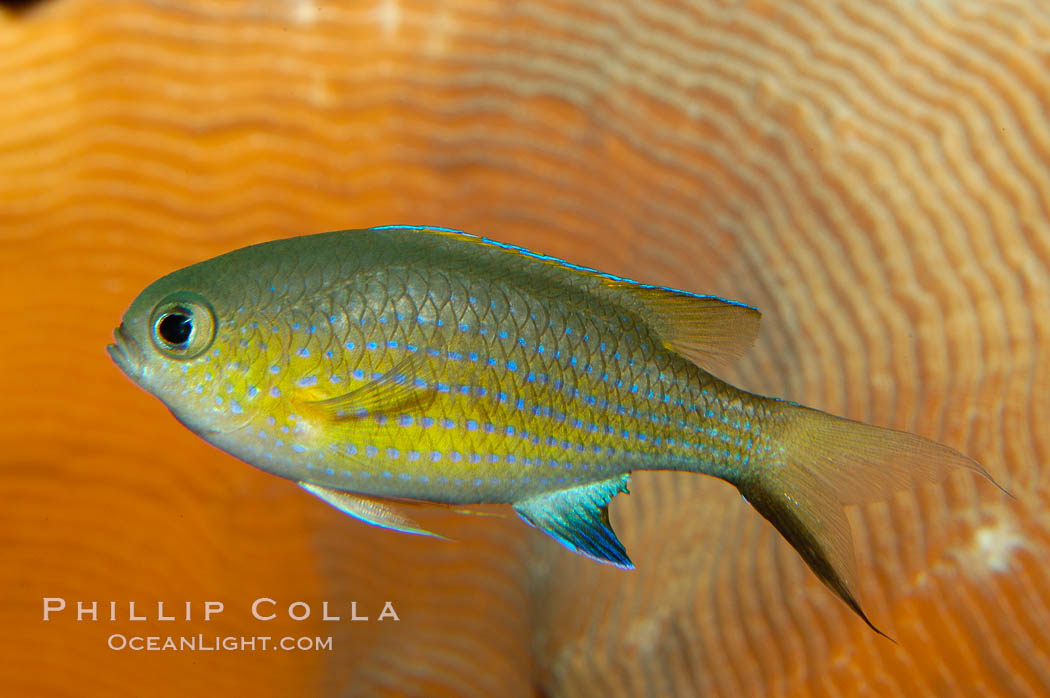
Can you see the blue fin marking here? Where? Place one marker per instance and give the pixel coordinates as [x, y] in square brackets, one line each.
[578, 518]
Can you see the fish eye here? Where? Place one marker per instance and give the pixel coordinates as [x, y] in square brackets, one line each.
[182, 325]
[175, 328]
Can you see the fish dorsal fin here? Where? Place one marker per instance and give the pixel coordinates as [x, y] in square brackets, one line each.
[709, 331]
[367, 509]
[578, 518]
[405, 387]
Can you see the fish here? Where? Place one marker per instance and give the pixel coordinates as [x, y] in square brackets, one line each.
[400, 364]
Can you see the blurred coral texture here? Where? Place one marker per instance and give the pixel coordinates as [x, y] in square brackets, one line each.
[872, 175]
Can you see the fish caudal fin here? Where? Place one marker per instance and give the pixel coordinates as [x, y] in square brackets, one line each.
[828, 462]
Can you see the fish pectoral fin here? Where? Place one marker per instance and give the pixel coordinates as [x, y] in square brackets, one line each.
[406, 387]
[367, 509]
[578, 518]
[709, 331]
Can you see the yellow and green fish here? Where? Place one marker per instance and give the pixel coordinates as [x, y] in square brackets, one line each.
[427, 364]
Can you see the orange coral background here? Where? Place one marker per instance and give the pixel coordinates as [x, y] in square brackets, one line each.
[873, 177]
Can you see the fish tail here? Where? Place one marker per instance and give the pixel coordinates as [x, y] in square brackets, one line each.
[822, 463]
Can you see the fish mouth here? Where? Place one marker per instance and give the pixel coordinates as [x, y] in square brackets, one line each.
[126, 353]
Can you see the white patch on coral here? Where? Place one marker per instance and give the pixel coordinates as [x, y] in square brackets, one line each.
[995, 544]
[304, 12]
[388, 15]
[992, 547]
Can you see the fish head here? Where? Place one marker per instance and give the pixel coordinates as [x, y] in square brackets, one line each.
[177, 340]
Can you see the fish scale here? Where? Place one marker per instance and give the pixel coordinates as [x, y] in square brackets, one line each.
[427, 364]
[457, 341]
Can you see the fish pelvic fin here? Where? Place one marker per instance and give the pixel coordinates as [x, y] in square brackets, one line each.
[827, 462]
[578, 518]
[368, 509]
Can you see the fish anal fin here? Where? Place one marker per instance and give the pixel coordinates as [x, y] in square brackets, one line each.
[578, 517]
[367, 509]
[709, 331]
